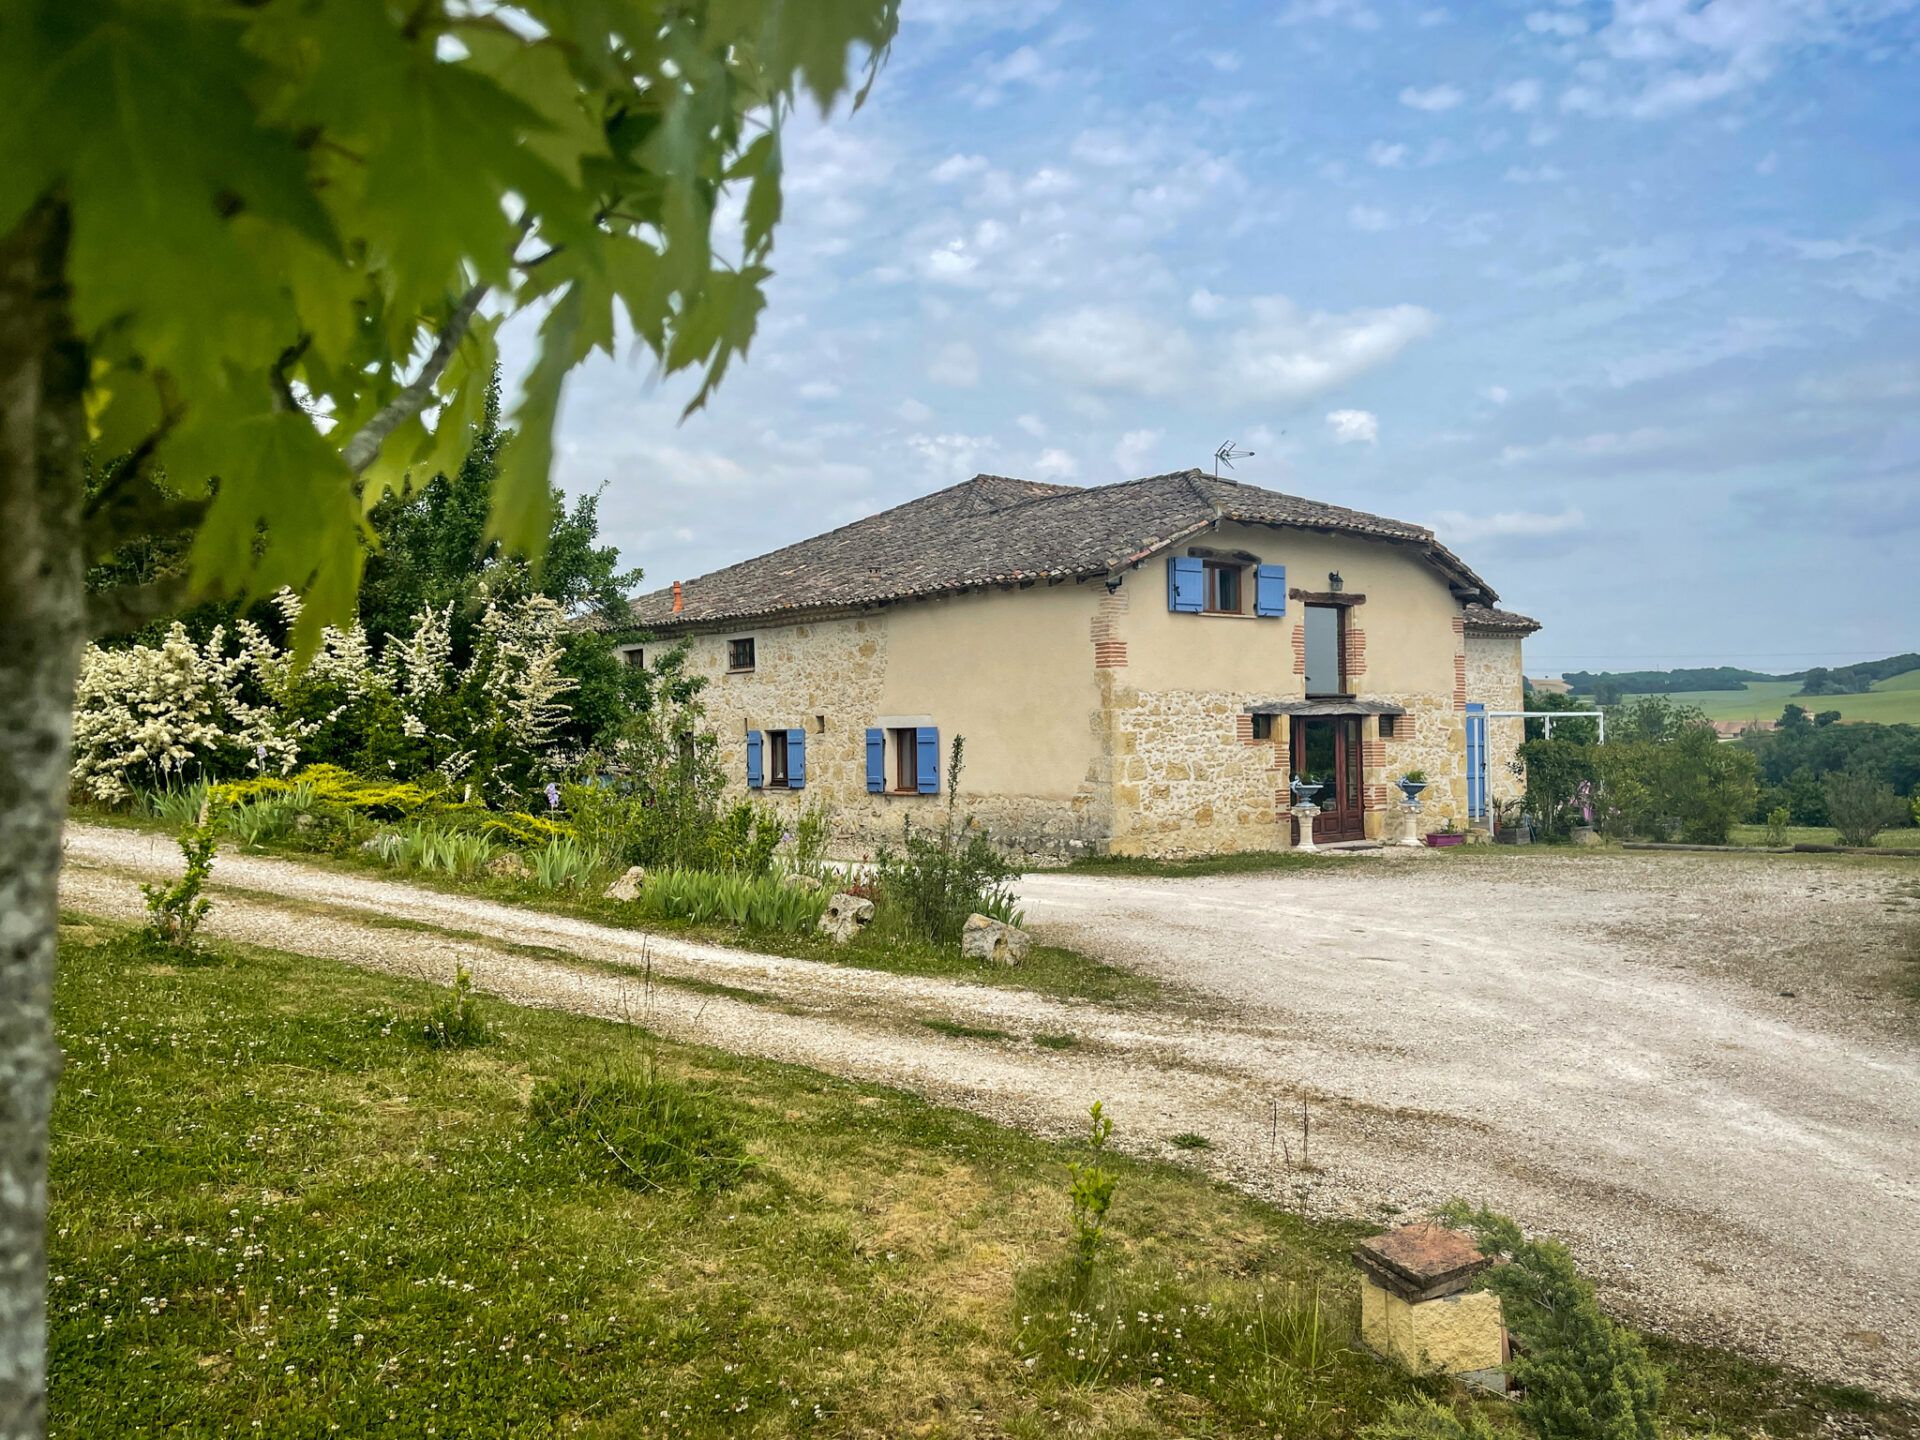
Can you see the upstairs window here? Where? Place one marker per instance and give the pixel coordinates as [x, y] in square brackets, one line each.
[1223, 588]
[634, 656]
[1326, 634]
[740, 654]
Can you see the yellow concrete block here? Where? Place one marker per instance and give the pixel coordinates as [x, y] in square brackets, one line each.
[1450, 1336]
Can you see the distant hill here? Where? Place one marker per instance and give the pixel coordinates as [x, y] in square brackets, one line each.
[1887, 691]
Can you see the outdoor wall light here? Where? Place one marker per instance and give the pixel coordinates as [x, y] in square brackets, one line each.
[1334, 582]
[1113, 582]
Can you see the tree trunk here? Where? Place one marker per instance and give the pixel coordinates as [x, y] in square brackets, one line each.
[42, 617]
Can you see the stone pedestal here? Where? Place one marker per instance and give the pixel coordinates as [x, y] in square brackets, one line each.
[1406, 824]
[1416, 1308]
[1306, 815]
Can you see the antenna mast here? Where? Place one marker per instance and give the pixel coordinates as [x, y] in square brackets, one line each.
[1226, 455]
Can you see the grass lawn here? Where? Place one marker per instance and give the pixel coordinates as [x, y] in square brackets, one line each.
[1905, 838]
[1048, 969]
[275, 1211]
[1890, 702]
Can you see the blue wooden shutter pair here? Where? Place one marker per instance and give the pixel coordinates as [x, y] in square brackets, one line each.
[756, 771]
[1270, 590]
[1186, 584]
[796, 758]
[876, 760]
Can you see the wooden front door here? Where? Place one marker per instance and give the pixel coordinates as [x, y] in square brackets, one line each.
[1326, 752]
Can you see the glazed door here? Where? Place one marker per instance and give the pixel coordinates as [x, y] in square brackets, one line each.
[1326, 752]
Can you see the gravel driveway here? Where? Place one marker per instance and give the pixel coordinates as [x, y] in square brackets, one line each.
[1598, 1045]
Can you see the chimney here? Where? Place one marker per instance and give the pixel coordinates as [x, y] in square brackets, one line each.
[679, 598]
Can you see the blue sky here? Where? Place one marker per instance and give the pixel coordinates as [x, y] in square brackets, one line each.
[1623, 301]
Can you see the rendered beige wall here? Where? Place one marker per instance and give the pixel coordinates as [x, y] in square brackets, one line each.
[1012, 671]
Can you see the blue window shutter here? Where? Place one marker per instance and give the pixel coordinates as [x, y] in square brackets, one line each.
[756, 775]
[1476, 762]
[796, 759]
[1186, 584]
[1270, 590]
[926, 755]
[876, 760]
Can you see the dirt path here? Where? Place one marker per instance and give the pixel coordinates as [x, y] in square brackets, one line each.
[1738, 1166]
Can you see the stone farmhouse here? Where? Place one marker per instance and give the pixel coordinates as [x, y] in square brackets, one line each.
[1138, 669]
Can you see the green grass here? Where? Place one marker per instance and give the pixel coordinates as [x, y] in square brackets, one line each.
[953, 1029]
[1048, 969]
[1906, 838]
[274, 1212]
[1891, 702]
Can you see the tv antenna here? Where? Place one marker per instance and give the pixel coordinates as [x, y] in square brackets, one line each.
[1226, 455]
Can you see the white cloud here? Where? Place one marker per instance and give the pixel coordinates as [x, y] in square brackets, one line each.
[951, 457]
[1519, 96]
[1130, 454]
[1286, 355]
[1355, 13]
[1033, 425]
[1053, 464]
[1497, 394]
[1534, 174]
[819, 390]
[959, 167]
[1225, 61]
[1767, 163]
[1387, 157]
[1434, 98]
[1354, 427]
[914, 412]
[1111, 347]
[955, 365]
[1456, 527]
[1205, 304]
[1561, 23]
[1049, 181]
[1369, 217]
[1609, 445]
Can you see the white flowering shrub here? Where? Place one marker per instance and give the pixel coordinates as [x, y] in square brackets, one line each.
[153, 716]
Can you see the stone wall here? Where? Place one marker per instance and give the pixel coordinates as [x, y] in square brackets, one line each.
[1190, 779]
[1494, 679]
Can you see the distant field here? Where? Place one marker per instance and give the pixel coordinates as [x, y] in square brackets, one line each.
[1890, 702]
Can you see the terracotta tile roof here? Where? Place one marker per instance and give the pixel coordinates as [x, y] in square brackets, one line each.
[994, 530]
[1488, 620]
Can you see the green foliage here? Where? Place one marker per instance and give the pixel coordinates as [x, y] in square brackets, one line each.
[1778, 819]
[1663, 774]
[565, 864]
[1560, 779]
[1860, 805]
[1579, 729]
[1582, 1376]
[632, 1125]
[1187, 1140]
[938, 878]
[1854, 679]
[349, 172]
[176, 806]
[174, 912]
[1089, 1197]
[756, 902]
[453, 1021]
[1425, 1419]
[1797, 759]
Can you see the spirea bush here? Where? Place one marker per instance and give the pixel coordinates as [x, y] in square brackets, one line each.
[151, 717]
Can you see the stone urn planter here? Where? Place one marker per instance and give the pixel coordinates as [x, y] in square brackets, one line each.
[1411, 789]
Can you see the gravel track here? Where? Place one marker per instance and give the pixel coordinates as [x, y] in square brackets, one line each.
[1596, 1045]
